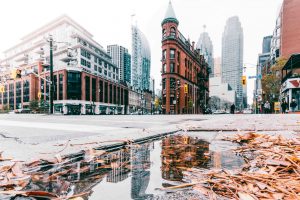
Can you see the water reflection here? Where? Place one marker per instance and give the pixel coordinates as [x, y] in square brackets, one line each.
[140, 171]
[134, 172]
[182, 152]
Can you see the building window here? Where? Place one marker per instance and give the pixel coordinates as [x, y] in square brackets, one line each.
[164, 84]
[164, 33]
[94, 89]
[106, 92]
[178, 57]
[73, 86]
[83, 62]
[87, 88]
[172, 67]
[164, 54]
[95, 67]
[88, 64]
[55, 87]
[60, 86]
[25, 91]
[173, 31]
[101, 90]
[172, 53]
[85, 53]
[164, 68]
[100, 70]
[172, 83]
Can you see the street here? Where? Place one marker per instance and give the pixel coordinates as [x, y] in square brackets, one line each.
[26, 137]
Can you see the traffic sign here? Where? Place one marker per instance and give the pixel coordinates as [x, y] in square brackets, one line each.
[186, 89]
[257, 77]
[276, 106]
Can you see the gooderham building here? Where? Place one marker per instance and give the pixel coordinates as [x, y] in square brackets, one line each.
[184, 71]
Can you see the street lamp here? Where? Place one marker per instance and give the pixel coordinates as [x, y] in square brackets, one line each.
[69, 59]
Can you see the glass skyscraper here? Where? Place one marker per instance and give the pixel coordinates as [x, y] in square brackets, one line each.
[141, 60]
[206, 49]
[232, 57]
[122, 59]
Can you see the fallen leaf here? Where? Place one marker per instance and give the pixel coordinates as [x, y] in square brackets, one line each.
[246, 196]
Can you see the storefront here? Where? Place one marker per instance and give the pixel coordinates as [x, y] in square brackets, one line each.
[290, 90]
[72, 109]
[290, 87]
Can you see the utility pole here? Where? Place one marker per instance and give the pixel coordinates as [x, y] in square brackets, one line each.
[51, 74]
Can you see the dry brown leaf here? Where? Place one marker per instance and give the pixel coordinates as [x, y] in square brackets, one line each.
[277, 162]
[261, 185]
[278, 196]
[246, 196]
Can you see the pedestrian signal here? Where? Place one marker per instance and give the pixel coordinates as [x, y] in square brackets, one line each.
[186, 89]
[244, 80]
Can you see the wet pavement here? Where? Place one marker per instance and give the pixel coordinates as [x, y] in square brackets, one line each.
[138, 171]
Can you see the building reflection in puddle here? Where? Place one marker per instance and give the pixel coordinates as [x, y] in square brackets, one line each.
[135, 171]
[181, 152]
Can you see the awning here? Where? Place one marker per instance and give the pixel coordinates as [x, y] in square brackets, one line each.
[293, 62]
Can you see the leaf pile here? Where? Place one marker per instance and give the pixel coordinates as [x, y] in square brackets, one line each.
[272, 171]
[70, 177]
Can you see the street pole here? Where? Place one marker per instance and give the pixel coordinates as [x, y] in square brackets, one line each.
[51, 75]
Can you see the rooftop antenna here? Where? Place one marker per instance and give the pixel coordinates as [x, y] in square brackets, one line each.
[132, 18]
[204, 27]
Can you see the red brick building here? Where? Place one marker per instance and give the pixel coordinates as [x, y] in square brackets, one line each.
[290, 29]
[75, 92]
[182, 65]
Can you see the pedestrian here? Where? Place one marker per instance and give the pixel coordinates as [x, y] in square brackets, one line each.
[293, 105]
[284, 106]
[267, 107]
[232, 108]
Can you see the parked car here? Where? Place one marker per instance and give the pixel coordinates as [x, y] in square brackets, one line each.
[247, 111]
[207, 111]
[219, 112]
[23, 110]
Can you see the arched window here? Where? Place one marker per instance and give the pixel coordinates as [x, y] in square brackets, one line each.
[173, 31]
[164, 32]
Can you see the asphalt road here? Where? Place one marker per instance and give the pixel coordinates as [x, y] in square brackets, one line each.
[26, 136]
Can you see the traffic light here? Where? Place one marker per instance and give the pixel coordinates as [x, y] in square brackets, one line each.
[2, 90]
[186, 89]
[244, 80]
[16, 73]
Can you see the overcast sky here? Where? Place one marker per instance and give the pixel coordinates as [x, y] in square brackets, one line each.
[110, 20]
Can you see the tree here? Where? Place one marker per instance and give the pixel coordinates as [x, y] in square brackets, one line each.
[34, 105]
[271, 82]
[214, 103]
[190, 104]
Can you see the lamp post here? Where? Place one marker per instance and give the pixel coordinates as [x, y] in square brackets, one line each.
[51, 74]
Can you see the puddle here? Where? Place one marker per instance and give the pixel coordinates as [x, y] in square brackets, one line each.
[138, 171]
